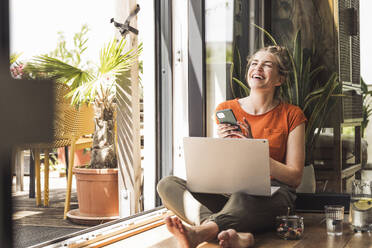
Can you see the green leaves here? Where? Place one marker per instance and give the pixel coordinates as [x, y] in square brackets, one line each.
[318, 106]
[316, 99]
[87, 85]
[241, 84]
[114, 60]
[54, 69]
[71, 56]
[14, 57]
[266, 33]
[47, 67]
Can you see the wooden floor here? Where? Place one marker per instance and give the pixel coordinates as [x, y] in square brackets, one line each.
[314, 236]
[26, 214]
[46, 222]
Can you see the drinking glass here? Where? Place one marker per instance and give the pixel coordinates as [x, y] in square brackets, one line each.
[360, 215]
[334, 219]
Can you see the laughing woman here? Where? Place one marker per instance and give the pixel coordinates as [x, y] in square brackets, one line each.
[233, 219]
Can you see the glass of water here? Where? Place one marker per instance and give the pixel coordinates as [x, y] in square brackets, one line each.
[360, 215]
[334, 219]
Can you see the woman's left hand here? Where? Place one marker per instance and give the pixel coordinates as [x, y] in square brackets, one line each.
[245, 132]
[246, 128]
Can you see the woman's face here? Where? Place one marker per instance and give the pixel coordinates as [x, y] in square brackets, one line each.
[263, 72]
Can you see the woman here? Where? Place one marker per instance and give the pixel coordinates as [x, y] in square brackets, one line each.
[233, 218]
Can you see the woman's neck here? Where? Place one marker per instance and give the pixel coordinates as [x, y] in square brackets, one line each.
[256, 104]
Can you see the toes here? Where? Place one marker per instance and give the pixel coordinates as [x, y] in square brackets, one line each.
[177, 222]
[231, 233]
[168, 221]
[223, 235]
[224, 244]
[223, 238]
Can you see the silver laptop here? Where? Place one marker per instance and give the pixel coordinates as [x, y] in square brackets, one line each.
[217, 165]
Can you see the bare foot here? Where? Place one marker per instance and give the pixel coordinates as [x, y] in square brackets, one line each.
[190, 237]
[185, 235]
[231, 239]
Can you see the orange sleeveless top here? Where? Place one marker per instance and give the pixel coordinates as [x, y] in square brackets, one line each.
[274, 125]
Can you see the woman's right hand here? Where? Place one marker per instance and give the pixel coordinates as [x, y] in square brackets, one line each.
[226, 130]
[232, 131]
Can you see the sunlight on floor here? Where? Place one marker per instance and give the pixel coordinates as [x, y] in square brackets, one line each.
[22, 214]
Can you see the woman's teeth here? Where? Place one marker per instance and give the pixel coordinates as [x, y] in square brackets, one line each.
[258, 76]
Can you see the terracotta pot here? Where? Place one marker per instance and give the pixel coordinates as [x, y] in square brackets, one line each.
[97, 191]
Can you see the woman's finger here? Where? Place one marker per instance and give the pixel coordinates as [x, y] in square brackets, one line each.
[247, 128]
[236, 134]
[249, 134]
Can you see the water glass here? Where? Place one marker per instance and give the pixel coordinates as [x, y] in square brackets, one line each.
[360, 215]
[334, 218]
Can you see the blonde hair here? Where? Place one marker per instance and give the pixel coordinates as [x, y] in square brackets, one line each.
[283, 62]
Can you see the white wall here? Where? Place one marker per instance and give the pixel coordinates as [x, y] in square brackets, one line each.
[366, 58]
[366, 41]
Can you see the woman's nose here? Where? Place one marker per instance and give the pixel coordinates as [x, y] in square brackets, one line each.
[259, 67]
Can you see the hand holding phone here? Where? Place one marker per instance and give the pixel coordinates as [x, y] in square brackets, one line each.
[226, 116]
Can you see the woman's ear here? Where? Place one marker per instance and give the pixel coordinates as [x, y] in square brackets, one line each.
[281, 81]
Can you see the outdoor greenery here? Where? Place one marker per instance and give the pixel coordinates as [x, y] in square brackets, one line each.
[367, 106]
[303, 89]
[90, 83]
[366, 111]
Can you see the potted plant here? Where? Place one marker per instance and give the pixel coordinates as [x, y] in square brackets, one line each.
[316, 99]
[96, 86]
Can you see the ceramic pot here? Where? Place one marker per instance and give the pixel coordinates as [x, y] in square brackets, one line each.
[97, 192]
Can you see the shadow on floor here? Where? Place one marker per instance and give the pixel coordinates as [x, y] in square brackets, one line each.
[34, 225]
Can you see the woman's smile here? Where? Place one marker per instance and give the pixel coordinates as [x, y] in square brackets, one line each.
[263, 71]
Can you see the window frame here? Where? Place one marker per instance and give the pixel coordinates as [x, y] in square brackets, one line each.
[164, 89]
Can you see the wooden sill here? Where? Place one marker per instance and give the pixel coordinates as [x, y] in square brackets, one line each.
[144, 234]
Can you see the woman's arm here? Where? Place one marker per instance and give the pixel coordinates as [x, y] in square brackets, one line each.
[291, 172]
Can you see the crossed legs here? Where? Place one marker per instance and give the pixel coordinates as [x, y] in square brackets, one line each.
[228, 219]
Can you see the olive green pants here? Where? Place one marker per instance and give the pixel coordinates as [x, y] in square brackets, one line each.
[239, 211]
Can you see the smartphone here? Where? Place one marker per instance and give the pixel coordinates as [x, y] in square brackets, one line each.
[226, 116]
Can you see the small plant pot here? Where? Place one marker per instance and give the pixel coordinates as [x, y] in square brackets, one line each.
[97, 192]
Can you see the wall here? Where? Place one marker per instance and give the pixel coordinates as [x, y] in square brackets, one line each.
[366, 40]
[365, 59]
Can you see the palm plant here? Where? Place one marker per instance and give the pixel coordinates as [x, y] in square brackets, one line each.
[95, 86]
[302, 89]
